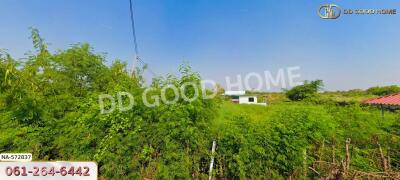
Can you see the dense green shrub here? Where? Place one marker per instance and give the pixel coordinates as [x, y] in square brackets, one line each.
[49, 107]
[308, 89]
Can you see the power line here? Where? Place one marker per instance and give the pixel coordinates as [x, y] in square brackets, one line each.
[133, 29]
[137, 57]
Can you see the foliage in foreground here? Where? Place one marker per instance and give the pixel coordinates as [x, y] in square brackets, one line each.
[284, 140]
[49, 107]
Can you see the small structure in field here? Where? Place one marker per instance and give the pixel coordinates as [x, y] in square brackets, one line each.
[391, 101]
[240, 97]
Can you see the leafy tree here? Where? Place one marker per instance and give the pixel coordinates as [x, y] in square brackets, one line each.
[304, 91]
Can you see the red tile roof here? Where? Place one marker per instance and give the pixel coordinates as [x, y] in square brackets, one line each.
[392, 99]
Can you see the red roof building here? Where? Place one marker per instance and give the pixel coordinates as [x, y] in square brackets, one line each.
[389, 100]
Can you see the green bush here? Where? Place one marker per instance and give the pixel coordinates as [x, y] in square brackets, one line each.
[49, 107]
[307, 90]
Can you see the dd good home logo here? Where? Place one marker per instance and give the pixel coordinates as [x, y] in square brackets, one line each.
[329, 11]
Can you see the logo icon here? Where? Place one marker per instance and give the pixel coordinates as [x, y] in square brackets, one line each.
[329, 11]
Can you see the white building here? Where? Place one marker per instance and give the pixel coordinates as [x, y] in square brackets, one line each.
[241, 98]
[235, 93]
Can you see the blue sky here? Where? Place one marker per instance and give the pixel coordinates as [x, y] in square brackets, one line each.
[221, 37]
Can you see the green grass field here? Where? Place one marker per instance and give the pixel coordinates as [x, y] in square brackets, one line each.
[247, 131]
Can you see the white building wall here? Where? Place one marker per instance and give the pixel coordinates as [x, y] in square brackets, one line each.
[245, 100]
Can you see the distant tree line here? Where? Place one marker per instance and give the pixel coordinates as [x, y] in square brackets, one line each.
[310, 89]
